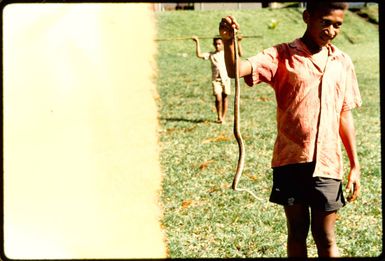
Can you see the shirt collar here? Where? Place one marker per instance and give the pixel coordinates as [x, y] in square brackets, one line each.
[299, 45]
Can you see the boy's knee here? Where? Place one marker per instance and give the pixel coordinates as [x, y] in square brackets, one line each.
[326, 244]
[298, 233]
[323, 239]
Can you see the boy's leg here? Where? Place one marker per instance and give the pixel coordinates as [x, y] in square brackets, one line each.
[322, 227]
[298, 222]
[218, 106]
[327, 198]
[217, 91]
[226, 91]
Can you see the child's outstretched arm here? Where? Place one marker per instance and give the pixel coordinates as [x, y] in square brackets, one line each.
[226, 30]
[197, 47]
[348, 137]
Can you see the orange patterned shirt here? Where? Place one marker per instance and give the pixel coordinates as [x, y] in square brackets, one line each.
[310, 99]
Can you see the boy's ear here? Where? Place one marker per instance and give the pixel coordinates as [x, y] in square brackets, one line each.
[306, 16]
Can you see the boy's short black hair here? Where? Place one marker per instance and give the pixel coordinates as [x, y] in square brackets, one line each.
[216, 38]
[316, 5]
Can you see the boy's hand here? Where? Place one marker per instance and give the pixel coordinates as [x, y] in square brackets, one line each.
[354, 185]
[227, 26]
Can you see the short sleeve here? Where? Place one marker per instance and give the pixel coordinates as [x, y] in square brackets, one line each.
[352, 97]
[264, 66]
[206, 56]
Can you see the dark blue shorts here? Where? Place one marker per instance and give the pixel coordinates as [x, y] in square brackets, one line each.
[295, 184]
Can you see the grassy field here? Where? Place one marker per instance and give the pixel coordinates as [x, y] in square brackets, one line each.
[203, 217]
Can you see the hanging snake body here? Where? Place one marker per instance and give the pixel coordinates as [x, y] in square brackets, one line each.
[237, 131]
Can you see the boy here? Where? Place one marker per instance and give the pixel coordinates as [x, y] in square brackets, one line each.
[315, 87]
[220, 80]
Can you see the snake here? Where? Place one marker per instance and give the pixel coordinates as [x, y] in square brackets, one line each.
[237, 129]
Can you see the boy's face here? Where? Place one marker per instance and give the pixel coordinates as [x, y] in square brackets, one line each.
[324, 26]
[218, 45]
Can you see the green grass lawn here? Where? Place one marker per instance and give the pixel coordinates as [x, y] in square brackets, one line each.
[203, 217]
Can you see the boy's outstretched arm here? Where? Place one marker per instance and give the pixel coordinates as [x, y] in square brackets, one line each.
[348, 137]
[197, 47]
[226, 30]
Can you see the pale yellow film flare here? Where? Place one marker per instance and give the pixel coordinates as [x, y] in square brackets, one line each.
[81, 165]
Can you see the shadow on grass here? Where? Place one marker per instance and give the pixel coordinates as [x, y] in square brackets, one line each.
[176, 119]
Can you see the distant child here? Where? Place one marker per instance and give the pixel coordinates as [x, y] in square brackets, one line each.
[221, 82]
[316, 88]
